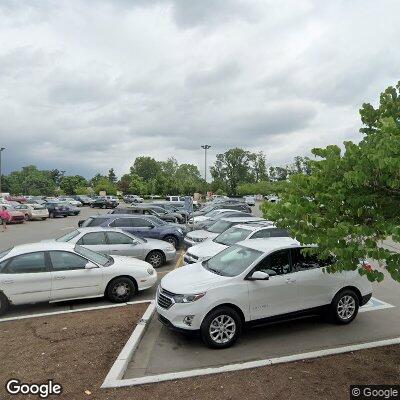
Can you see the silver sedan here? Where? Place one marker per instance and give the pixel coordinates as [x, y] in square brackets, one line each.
[117, 242]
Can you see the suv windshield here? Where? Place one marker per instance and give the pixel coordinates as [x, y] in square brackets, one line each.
[97, 258]
[219, 226]
[68, 236]
[232, 236]
[232, 261]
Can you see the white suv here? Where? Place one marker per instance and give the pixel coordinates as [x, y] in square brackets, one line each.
[252, 282]
[237, 233]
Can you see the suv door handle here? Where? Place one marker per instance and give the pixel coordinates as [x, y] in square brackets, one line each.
[60, 277]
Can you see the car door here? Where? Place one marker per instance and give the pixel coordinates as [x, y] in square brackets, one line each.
[124, 245]
[70, 278]
[315, 287]
[26, 278]
[95, 241]
[278, 294]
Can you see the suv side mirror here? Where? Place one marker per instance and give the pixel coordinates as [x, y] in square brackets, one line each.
[259, 276]
[90, 265]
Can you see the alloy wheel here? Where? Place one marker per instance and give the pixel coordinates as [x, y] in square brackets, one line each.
[346, 307]
[155, 260]
[222, 329]
[121, 291]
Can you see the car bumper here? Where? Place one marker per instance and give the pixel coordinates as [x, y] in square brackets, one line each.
[174, 317]
[147, 282]
[39, 216]
[170, 255]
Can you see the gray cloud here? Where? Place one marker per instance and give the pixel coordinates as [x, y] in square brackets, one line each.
[85, 86]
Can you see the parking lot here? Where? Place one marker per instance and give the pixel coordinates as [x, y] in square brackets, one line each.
[35, 231]
[162, 352]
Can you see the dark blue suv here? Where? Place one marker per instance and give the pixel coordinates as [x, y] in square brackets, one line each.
[147, 226]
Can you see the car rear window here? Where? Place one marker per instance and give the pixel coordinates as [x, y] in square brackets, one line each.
[3, 253]
[94, 222]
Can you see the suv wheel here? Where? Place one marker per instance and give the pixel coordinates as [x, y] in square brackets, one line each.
[155, 258]
[26, 217]
[221, 328]
[344, 307]
[172, 239]
[120, 290]
[4, 304]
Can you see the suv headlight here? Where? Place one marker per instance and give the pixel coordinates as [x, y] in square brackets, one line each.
[150, 271]
[188, 298]
[180, 231]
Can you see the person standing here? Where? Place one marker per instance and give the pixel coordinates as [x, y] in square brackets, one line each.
[5, 217]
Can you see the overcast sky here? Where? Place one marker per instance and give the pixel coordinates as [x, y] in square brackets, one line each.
[89, 85]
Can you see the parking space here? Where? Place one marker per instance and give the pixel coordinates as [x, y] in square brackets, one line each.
[163, 351]
[35, 231]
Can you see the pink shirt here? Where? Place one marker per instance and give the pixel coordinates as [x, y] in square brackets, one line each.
[4, 214]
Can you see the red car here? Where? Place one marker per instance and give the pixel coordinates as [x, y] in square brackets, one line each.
[17, 217]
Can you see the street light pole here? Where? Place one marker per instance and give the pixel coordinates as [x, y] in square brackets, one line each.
[205, 147]
[1, 150]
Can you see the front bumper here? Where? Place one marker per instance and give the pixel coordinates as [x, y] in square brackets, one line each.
[147, 282]
[39, 215]
[170, 255]
[174, 316]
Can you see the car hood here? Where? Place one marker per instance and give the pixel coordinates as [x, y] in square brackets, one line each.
[208, 248]
[191, 279]
[200, 234]
[200, 218]
[121, 261]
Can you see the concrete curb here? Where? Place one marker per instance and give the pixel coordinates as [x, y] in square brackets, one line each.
[247, 365]
[46, 314]
[114, 376]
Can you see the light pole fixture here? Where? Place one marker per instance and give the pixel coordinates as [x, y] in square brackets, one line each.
[1, 150]
[205, 147]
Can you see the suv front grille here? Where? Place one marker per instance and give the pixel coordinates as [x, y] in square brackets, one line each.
[163, 300]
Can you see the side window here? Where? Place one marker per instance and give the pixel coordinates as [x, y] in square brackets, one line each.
[93, 238]
[65, 261]
[279, 233]
[26, 264]
[263, 233]
[119, 222]
[303, 262]
[118, 238]
[277, 263]
[141, 222]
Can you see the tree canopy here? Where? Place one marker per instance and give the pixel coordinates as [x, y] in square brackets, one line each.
[349, 202]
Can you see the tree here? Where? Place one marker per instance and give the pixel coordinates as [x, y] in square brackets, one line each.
[104, 185]
[31, 181]
[73, 184]
[232, 168]
[350, 200]
[146, 167]
[124, 182]
[111, 176]
[96, 179]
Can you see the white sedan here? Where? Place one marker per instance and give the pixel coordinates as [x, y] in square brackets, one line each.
[54, 271]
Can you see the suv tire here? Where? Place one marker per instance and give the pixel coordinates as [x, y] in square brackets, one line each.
[120, 290]
[344, 307]
[221, 328]
[4, 304]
